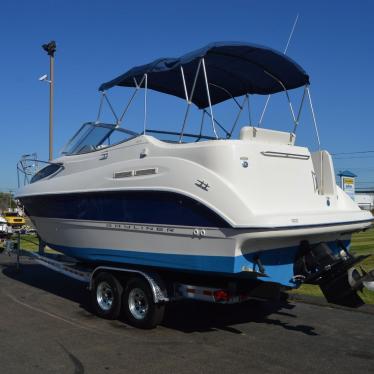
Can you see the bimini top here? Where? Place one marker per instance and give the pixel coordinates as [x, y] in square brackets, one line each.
[233, 69]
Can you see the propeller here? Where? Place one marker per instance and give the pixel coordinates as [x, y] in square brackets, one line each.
[358, 281]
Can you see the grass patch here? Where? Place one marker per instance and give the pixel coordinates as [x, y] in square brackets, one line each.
[362, 244]
[30, 242]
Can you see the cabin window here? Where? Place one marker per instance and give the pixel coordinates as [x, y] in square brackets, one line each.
[46, 172]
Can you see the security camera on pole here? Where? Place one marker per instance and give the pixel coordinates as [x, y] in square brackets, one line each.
[50, 48]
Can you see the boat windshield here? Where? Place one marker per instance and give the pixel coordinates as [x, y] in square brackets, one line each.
[94, 136]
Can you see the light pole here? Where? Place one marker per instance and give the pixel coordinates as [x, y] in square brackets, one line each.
[50, 48]
[10, 200]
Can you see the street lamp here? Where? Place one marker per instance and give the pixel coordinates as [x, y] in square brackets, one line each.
[50, 48]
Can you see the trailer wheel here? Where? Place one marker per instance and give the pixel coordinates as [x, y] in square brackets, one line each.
[138, 304]
[106, 295]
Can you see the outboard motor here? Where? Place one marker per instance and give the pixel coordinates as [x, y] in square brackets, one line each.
[359, 281]
[334, 273]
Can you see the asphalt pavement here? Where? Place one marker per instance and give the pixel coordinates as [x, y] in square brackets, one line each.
[46, 326]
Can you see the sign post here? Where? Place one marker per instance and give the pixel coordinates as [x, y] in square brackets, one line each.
[347, 181]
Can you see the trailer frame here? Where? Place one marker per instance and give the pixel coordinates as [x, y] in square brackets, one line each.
[162, 290]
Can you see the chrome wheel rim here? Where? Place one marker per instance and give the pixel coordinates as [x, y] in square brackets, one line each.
[138, 304]
[105, 296]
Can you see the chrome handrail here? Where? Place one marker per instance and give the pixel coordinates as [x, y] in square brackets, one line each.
[23, 168]
[285, 155]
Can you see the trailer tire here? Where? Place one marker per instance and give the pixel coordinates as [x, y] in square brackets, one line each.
[138, 304]
[106, 295]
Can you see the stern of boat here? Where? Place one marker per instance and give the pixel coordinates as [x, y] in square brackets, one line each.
[325, 263]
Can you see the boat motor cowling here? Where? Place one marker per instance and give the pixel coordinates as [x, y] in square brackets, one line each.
[333, 273]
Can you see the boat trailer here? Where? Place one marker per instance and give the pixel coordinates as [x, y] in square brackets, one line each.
[142, 293]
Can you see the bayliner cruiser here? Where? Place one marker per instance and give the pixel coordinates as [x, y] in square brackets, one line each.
[258, 207]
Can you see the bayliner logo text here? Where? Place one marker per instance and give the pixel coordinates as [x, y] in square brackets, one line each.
[125, 226]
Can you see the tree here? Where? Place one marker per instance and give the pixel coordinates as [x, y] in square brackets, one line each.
[6, 201]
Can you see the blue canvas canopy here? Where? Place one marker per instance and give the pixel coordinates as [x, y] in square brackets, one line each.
[233, 69]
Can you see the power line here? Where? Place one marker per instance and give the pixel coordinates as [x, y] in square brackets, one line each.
[351, 153]
[350, 158]
[362, 168]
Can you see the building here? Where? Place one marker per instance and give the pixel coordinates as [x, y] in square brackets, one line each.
[365, 199]
[348, 182]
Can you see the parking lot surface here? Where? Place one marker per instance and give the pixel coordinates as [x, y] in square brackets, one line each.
[46, 326]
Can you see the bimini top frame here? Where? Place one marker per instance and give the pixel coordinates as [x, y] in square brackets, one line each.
[213, 74]
[234, 68]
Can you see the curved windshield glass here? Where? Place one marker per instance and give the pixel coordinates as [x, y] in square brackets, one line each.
[45, 172]
[94, 136]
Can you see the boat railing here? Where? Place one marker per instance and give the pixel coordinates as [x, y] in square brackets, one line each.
[28, 167]
[188, 135]
[207, 112]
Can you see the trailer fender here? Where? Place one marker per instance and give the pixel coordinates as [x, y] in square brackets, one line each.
[157, 285]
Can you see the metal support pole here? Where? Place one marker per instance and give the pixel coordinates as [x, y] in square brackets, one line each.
[111, 107]
[291, 108]
[263, 111]
[284, 52]
[100, 108]
[201, 125]
[299, 112]
[18, 251]
[238, 115]
[184, 83]
[285, 91]
[51, 102]
[249, 111]
[137, 87]
[228, 135]
[10, 200]
[189, 101]
[314, 118]
[50, 48]
[145, 102]
[318, 140]
[208, 94]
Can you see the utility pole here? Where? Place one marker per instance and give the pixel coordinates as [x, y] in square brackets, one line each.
[50, 48]
[10, 200]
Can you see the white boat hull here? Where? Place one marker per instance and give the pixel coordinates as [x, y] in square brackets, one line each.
[195, 206]
[233, 252]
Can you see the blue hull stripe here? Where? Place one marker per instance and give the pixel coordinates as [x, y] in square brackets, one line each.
[220, 264]
[278, 263]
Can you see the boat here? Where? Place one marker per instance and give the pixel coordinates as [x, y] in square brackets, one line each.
[256, 207]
